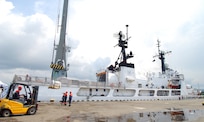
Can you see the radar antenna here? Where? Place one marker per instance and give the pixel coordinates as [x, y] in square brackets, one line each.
[123, 43]
[161, 56]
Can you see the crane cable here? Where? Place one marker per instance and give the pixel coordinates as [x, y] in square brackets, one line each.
[56, 29]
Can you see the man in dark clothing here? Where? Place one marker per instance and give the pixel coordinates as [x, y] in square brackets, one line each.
[70, 98]
[16, 95]
[64, 98]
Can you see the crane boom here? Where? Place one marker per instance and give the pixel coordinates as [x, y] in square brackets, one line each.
[59, 66]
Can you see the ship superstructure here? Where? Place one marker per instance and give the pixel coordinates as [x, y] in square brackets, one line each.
[122, 72]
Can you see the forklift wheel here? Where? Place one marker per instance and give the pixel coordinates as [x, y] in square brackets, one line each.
[32, 110]
[6, 113]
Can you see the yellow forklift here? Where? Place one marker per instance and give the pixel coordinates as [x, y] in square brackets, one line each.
[20, 99]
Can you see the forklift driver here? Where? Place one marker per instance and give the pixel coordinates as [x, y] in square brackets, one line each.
[17, 95]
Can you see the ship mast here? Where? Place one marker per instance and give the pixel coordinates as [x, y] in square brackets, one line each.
[123, 43]
[59, 66]
[161, 56]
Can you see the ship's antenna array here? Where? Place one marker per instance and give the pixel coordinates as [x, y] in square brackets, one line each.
[123, 43]
[161, 56]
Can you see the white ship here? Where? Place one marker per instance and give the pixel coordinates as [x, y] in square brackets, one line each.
[117, 82]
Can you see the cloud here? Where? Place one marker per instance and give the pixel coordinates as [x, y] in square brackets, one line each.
[25, 40]
[83, 69]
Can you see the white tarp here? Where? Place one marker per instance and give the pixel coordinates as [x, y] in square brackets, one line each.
[130, 78]
[3, 89]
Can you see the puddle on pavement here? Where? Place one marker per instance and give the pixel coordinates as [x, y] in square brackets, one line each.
[169, 115]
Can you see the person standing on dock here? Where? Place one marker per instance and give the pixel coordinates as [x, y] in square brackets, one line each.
[64, 98]
[70, 98]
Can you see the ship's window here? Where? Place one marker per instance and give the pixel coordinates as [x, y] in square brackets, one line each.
[162, 93]
[141, 115]
[175, 92]
[139, 85]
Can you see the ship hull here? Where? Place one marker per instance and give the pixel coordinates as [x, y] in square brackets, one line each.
[82, 94]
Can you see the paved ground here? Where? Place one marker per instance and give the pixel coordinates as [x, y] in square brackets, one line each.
[55, 112]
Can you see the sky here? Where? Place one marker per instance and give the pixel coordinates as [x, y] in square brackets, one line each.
[29, 28]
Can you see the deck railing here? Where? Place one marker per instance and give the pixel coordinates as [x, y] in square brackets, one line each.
[34, 80]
